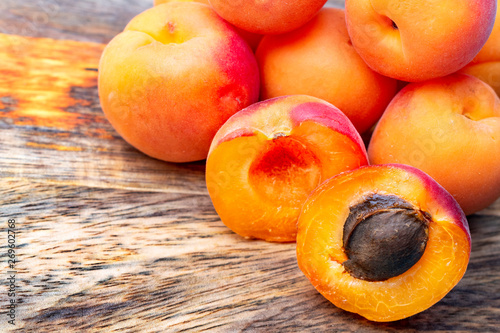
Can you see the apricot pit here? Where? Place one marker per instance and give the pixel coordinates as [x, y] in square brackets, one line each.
[384, 241]
[383, 237]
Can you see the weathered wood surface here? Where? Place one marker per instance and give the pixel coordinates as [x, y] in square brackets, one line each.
[112, 240]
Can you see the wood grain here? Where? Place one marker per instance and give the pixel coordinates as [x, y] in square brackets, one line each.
[111, 240]
[50, 115]
[89, 20]
[153, 262]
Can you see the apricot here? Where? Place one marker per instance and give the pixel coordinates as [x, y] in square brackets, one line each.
[486, 64]
[449, 128]
[174, 75]
[252, 39]
[318, 59]
[267, 16]
[383, 241]
[415, 41]
[159, 2]
[266, 159]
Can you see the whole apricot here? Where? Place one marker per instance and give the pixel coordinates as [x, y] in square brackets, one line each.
[174, 75]
[416, 40]
[319, 60]
[449, 128]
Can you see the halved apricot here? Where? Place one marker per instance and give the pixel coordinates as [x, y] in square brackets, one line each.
[266, 159]
[383, 241]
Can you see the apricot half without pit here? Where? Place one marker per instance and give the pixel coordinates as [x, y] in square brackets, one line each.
[383, 241]
[266, 159]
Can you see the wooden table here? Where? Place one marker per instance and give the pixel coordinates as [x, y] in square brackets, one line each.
[111, 240]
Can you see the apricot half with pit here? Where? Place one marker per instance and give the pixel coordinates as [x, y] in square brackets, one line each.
[266, 159]
[383, 241]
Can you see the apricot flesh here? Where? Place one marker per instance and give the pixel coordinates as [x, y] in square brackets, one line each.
[266, 159]
[321, 254]
[286, 171]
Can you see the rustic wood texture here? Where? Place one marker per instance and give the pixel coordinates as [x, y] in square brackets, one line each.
[50, 111]
[112, 240]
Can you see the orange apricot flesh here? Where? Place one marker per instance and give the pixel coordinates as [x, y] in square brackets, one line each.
[266, 160]
[321, 255]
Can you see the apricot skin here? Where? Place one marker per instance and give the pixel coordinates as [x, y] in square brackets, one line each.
[159, 2]
[266, 159]
[267, 16]
[486, 64]
[449, 128]
[320, 253]
[419, 40]
[318, 59]
[252, 39]
[167, 88]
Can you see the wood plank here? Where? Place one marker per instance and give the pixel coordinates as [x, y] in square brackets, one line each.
[57, 132]
[89, 20]
[154, 262]
[493, 209]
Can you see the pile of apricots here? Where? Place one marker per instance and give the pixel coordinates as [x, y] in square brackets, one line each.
[365, 135]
